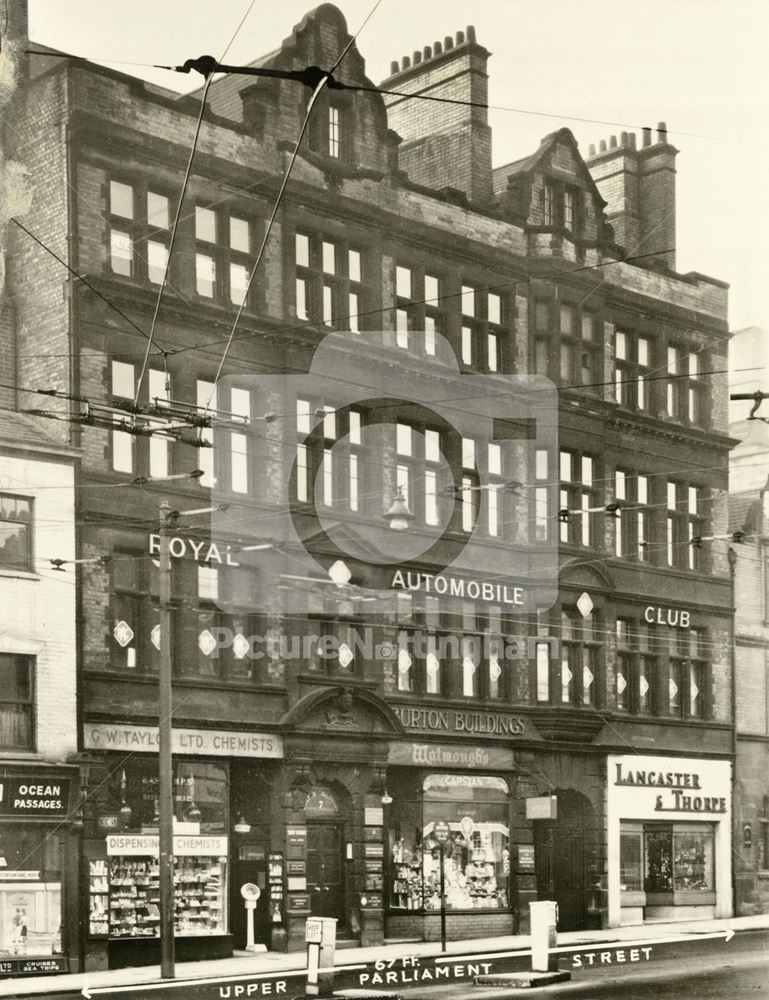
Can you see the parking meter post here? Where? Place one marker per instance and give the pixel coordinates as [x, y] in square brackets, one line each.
[544, 935]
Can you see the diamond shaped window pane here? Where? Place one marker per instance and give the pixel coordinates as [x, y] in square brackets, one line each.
[339, 573]
[240, 646]
[622, 683]
[566, 674]
[673, 688]
[584, 604]
[206, 642]
[694, 690]
[644, 686]
[155, 637]
[345, 655]
[495, 671]
[587, 677]
[404, 662]
[123, 633]
[433, 664]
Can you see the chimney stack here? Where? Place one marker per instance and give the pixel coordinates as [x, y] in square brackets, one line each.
[444, 145]
[639, 186]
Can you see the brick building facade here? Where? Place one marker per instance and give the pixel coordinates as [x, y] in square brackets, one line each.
[39, 777]
[749, 514]
[323, 774]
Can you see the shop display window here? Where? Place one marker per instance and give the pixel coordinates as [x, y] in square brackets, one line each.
[476, 854]
[30, 891]
[693, 868]
[134, 896]
[630, 862]
[679, 858]
[201, 792]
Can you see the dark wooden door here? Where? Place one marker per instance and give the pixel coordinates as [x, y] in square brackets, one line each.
[325, 881]
[560, 868]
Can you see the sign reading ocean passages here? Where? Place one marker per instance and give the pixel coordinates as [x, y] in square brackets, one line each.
[212, 742]
[34, 796]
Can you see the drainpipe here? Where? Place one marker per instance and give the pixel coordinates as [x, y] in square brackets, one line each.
[732, 558]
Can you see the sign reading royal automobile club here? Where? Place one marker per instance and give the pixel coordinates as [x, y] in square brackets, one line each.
[492, 591]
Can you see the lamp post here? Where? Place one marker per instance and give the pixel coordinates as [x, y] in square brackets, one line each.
[165, 769]
[441, 833]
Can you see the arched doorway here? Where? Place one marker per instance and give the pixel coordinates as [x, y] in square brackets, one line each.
[325, 815]
[561, 858]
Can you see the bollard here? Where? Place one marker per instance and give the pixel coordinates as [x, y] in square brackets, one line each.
[544, 935]
[320, 937]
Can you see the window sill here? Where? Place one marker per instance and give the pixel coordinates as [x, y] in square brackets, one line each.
[19, 574]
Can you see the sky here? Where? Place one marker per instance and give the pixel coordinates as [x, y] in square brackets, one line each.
[699, 65]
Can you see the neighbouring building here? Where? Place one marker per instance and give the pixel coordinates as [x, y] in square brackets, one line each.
[353, 703]
[40, 820]
[749, 516]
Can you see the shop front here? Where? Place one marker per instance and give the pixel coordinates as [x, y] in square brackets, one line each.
[38, 870]
[669, 838]
[457, 819]
[215, 848]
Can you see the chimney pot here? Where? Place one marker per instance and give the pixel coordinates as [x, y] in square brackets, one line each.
[613, 142]
[602, 146]
[405, 63]
[632, 138]
[591, 149]
[427, 52]
[470, 31]
[417, 57]
[647, 136]
[662, 132]
[460, 37]
[437, 48]
[394, 68]
[623, 139]
[448, 42]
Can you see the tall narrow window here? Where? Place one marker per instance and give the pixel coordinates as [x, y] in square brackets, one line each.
[302, 455]
[15, 532]
[206, 400]
[17, 730]
[240, 407]
[542, 513]
[123, 443]
[470, 482]
[158, 223]
[334, 133]
[159, 447]
[205, 261]
[122, 210]
[577, 497]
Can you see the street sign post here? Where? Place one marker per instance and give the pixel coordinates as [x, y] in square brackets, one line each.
[442, 832]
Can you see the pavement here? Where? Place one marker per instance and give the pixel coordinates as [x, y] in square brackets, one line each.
[243, 964]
